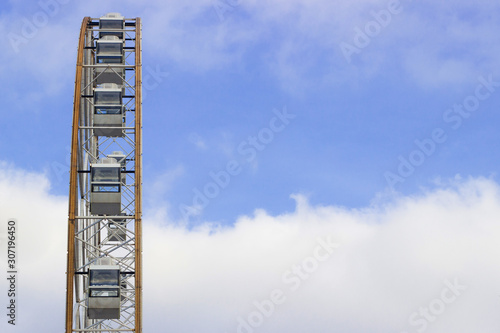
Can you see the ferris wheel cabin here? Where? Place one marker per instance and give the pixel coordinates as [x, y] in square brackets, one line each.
[104, 291]
[105, 196]
[109, 51]
[111, 24]
[108, 110]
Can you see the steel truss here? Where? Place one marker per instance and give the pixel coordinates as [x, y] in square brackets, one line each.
[89, 235]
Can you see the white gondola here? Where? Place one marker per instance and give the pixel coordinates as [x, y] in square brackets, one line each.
[109, 51]
[120, 158]
[105, 196]
[111, 24]
[108, 110]
[104, 295]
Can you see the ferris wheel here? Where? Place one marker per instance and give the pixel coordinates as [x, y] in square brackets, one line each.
[104, 263]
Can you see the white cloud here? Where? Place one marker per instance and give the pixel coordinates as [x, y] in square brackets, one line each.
[41, 254]
[198, 141]
[436, 45]
[392, 260]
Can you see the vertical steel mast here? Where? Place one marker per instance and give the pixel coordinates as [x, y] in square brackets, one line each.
[104, 263]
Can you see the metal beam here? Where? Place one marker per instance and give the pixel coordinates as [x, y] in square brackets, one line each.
[138, 176]
[70, 270]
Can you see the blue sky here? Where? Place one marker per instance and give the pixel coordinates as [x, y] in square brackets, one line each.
[361, 108]
[215, 71]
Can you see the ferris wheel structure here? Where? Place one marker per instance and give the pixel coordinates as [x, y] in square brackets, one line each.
[104, 258]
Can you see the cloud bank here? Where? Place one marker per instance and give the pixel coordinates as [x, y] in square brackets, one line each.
[410, 264]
